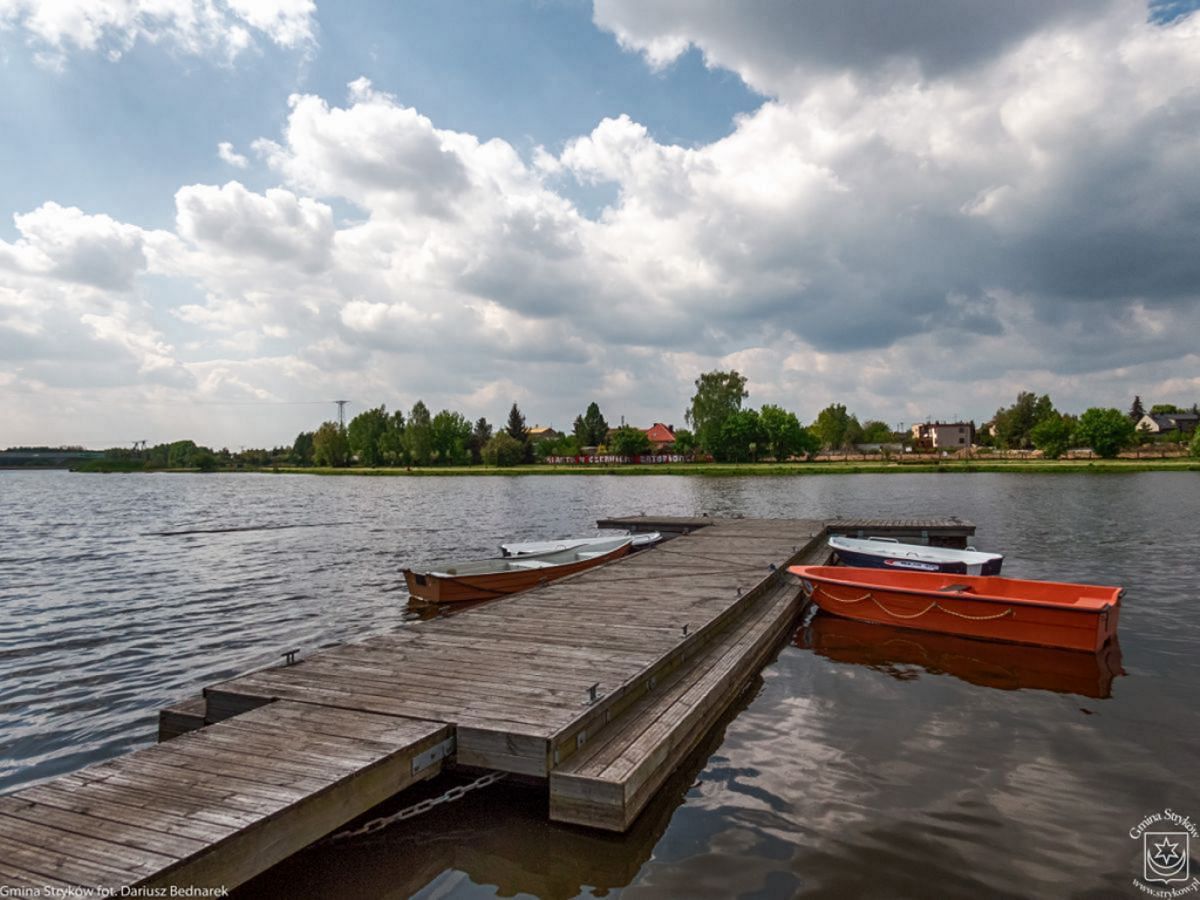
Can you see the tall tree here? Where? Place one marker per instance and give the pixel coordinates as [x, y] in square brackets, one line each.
[365, 435]
[591, 428]
[302, 450]
[516, 425]
[718, 396]
[1137, 410]
[418, 436]
[392, 444]
[782, 434]
[450, 434]
[516, 430]
[1014, 425]
[480, 435]
[836, 428]
[741, 437]
[330, 447]
[1106, 431]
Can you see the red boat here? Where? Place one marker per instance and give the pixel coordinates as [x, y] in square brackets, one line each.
[1044, 613]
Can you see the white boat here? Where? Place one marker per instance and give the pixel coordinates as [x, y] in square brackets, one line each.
[532, 548]
[888, 553]
[485, 579]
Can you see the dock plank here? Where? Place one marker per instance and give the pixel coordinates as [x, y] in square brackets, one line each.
[273, 759]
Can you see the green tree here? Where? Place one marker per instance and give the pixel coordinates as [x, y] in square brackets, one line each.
[782, 434]
[1052, 435]
[516, 425]
[1106, 431]
[330, 447]
[204, 460]
[1194, 447]
[1136, 411]
[685, 441]
[392, 443]
[876, 432]
[836, 428]
[450, 435]
[741, 437]
[503, 450]
[1159, 409]
[480, 435]
[591, 429]
[418, 435]
[629, 441]
[1015, 424]
[179, 454]
[366, 436]
[718, 396]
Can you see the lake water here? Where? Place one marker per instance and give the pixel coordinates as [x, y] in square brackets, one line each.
[882, 763]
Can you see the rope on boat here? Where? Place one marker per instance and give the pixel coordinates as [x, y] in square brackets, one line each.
[932, 606]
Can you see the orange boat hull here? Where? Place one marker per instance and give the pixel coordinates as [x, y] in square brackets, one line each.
[1041, 613]
[467, 588]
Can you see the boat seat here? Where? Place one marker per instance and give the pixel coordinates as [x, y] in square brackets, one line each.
[529, 564]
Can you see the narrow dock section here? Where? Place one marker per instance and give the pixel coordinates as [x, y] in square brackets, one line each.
[214, 807]
[599, 683]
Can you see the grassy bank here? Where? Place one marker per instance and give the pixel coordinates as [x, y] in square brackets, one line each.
[726, 470]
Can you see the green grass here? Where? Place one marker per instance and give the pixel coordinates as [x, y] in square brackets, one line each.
[778, 469]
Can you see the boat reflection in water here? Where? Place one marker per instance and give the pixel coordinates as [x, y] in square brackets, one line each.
[1008, 667]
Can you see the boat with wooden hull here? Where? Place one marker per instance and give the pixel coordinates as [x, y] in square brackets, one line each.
[531, 548]
[1043, 613]
[888, 553]
[485, 579]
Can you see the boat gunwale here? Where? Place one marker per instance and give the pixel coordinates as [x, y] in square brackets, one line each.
[521, 562]
[879, 548]
[1104, 605]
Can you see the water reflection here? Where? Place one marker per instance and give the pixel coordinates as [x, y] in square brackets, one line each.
[900, 652]
[497, 842]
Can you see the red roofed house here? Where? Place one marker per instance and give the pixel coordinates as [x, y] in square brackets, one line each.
[662, 437]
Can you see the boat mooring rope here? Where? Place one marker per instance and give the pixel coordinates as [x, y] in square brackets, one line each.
[932, 606]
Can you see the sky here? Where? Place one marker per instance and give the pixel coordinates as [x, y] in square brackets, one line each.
[218, 216]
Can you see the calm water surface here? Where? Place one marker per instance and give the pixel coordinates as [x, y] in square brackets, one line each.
[878, 763]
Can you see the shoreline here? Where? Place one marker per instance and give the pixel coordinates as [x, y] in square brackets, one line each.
[777, 470]
[690, 470]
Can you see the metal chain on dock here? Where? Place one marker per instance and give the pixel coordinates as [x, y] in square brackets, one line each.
[932, 606]
[455, 793]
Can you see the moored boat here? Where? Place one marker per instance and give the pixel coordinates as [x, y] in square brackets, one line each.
[888, 553]
[484, 579]
[531, 548]
[1044, 613]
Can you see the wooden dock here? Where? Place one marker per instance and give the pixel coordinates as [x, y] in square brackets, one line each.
[599, 683]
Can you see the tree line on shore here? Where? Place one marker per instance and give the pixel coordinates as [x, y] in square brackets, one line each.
[721, 427]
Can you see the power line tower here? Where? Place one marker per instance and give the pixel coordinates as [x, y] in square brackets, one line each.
[341, 405]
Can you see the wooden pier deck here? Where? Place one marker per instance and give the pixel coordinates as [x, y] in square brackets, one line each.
[599, 683]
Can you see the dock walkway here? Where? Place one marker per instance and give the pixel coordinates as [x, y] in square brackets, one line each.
[599, 683]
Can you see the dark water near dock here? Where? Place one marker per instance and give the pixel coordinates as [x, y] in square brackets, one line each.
[858, 765]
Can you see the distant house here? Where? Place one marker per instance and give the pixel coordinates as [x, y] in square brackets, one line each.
[943, 435]
[1160, 423]
[662, 437]
[546, 433]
